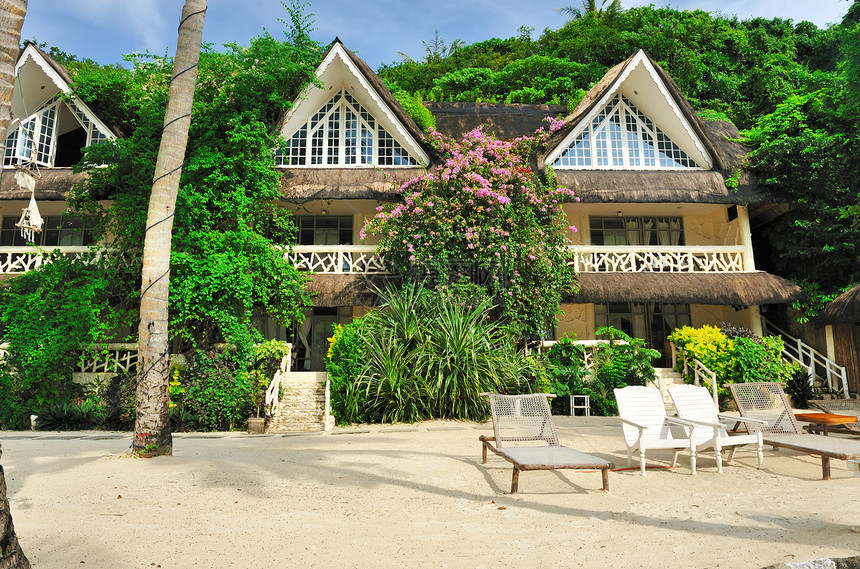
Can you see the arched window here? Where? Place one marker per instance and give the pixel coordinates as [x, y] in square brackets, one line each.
[621, 136]
[342, 133]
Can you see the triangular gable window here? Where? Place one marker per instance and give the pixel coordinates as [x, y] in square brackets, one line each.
[34, 139]
[621, 136]
[342, 133]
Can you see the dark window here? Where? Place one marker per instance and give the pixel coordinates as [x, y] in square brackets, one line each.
[632, 230]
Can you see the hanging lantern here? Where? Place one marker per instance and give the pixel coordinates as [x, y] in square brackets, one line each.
[31, 221]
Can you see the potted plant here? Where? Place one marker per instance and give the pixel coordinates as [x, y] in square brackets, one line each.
[257, 425]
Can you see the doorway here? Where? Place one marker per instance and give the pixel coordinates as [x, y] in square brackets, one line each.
[651, 321]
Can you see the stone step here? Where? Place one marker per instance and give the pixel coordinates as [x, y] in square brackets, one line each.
[302, 404]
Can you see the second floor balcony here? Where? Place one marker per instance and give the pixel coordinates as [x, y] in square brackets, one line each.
[364, 259]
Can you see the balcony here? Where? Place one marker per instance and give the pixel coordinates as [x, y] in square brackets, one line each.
[337, 259]
[640, 259]
[19, 260]
[364, 259]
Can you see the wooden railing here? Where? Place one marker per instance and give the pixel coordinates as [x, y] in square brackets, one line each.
[19, 260]
[638, 259]
[273, 393]
[818, 365]
[337, 259]
[364, 259]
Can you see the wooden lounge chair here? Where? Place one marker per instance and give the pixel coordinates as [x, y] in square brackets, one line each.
[519, 421]
[695, 405]
[839, 407]
[646, 426]
[767, 401]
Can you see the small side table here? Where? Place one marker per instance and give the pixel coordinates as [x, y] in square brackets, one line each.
[580, 402]
[825, 419]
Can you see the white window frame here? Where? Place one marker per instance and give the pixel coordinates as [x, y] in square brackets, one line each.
[300, 144]
[17, 152]
[620, 153]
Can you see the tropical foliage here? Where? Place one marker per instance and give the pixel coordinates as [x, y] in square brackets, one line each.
[423, 355]
[734, 354]
[487, 218]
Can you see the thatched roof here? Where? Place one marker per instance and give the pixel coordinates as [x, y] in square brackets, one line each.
[380, 87]
[661, 186]
[51, 184]
[347, 290]
[55, 65]
[502, 120]
[844, 309]
[303, 184]
[734, 289]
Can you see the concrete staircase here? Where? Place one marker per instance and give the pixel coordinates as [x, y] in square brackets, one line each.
[668, 378]
[302, 405]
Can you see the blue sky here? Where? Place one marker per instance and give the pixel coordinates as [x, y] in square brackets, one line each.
[376, 30]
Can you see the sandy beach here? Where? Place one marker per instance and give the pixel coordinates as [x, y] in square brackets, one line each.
[413, 496]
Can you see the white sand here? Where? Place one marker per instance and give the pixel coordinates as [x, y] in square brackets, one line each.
[413, 496]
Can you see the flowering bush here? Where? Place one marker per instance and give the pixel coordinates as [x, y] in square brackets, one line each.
[485, 212]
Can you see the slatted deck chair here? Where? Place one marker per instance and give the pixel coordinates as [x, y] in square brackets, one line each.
[767, 401]
[839, 407]
[647, 427]
[695, 405]
[520, 421]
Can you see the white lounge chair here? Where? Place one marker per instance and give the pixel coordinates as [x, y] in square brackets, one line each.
[523, 420]
[646, 426]
[695, 405]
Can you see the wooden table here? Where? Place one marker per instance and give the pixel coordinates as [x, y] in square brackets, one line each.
[825, 419]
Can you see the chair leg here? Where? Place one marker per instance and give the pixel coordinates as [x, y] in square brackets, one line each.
[675, 458]
[760, 452]
[642, 460]
[825, 468]
[693, 460]
[605, 474]
[515, 480]
[718, 450]
[732, 453]
[629, 456]
[483, 454]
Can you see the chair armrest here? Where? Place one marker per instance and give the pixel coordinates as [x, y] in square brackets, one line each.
[741, 419]
[634, 424]
[715, 426]
[679, 421]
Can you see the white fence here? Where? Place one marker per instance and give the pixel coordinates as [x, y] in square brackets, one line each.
[637, 259]
[19, 260]
[336, 259]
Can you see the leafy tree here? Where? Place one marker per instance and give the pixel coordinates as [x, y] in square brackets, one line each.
[485, 217]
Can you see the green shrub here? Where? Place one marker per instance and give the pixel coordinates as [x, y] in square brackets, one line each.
[423, 355]
[734, 354]
[71, 416]
[346, 355]
[13, 412]
[799, 387]
[567, 373]
[218, 395]
[117, 398]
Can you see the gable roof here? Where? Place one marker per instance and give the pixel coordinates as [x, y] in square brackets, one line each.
[377, 93]
[717, 139]
[35, 70]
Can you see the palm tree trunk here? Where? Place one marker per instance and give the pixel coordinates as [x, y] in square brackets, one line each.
[12, 14]
[152, 421]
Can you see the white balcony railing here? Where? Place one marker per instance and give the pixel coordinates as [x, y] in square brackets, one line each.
[364, 259]
[19, 260]
[337, 259]
[641, 259]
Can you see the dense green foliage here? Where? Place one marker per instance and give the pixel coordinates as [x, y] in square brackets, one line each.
[423, 355]
[735, 355]
[486, 218]
[619, 361]
[48, 315]
[793, 86]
